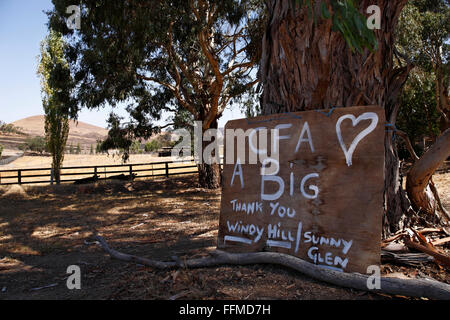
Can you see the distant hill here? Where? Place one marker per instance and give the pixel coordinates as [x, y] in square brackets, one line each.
[80, 132]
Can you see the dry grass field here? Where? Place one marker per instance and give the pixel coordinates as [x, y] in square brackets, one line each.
[28, 162]
[73, 160]
[442, 182]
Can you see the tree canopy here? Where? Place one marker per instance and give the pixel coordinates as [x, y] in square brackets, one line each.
[422, 40]
[163, 56]
[56, 88]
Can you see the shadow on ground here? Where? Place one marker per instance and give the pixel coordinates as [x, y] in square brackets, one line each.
[43, 231]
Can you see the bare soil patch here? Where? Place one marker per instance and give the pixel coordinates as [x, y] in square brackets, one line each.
[43, 231]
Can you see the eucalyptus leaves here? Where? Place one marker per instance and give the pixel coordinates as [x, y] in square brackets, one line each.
[347, 20]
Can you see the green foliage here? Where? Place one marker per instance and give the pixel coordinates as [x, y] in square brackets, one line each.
[346, 19]
[91, 151]
[423, 33]
[422, 37]
[165, 139]
[36, 144]
[418, 116]
[135, 147]
[98, 147]
[56, 88]
[10, 128]
[1, 150]
[152, 146]
[78, 149]
[149, 54]
[119, 138]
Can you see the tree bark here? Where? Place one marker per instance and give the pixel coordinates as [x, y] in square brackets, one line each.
[306, 66]
[209, 175]
[418, 180]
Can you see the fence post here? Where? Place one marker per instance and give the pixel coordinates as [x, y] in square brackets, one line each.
[95, 171]
[167, 169]
[131, 171]
[51, 176]
[19, 176]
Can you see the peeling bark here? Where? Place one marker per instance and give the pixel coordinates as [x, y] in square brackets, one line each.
[209, 175]
[306, 66]
[418, 180]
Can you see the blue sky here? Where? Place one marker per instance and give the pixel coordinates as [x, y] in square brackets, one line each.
[22, 28]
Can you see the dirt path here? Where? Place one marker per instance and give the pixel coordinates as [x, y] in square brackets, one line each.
[43, 231]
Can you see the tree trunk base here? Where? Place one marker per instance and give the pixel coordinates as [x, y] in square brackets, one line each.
[209, 176]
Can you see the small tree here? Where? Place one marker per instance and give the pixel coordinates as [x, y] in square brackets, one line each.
[135, 147]
[1, 151]
[78, 149]
[98, 148]
[418, 115]
[36, 144]
[152, 146]
[10, 128]
[55, 86]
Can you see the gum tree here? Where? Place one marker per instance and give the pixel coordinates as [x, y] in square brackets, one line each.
[193, 56]
[320, 54]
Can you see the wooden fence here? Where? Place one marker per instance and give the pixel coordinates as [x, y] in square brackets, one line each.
[72, 174]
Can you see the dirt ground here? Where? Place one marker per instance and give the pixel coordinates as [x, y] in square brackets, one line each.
[43, 231]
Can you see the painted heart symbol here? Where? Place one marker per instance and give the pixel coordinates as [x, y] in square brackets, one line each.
[366, 116]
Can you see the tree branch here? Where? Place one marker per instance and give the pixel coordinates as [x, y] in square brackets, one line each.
[408, 144]
[419, 176]
[414, 287]
[174, 90]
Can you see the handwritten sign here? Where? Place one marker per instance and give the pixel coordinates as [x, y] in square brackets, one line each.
[321, 200]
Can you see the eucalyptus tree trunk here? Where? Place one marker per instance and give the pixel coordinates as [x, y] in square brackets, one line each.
[209, 175]
[306, 66]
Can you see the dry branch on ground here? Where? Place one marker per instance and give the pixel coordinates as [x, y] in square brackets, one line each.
[408, 287]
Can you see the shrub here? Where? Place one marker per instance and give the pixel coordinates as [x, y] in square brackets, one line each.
[152, 146]
[135, 147]
[36, 144]
[10, 128]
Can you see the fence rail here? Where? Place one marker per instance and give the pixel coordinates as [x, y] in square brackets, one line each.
[104, 172]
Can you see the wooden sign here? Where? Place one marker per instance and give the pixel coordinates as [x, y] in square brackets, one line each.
[322, 201]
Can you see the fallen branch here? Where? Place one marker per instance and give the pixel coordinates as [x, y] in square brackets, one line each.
[411, 259]
[385, 242]
[408, 144]
[44, 287]
[440, 257]
[413, 288]
[440, 242]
